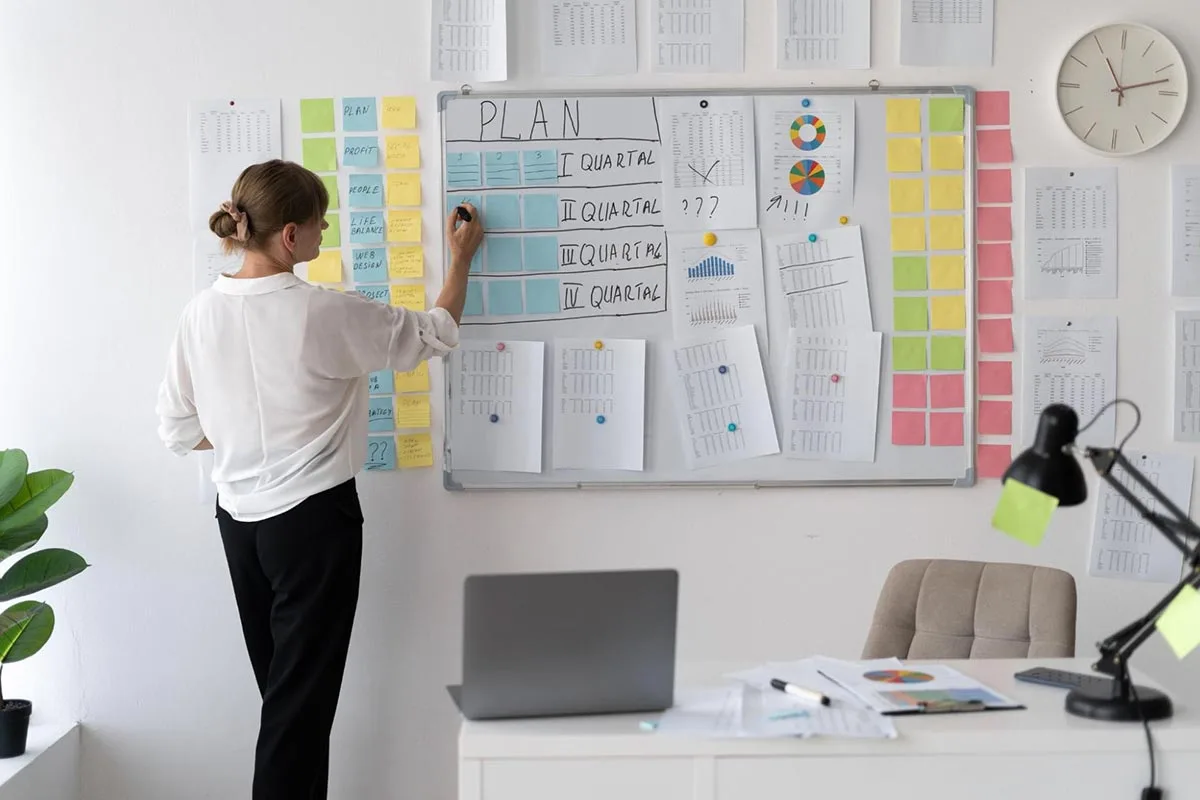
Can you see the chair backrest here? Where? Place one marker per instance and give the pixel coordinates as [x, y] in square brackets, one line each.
[930, 608]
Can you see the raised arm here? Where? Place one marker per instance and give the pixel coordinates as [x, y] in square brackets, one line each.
[463, 238]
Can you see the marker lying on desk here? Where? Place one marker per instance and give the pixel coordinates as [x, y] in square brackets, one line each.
[799, 691]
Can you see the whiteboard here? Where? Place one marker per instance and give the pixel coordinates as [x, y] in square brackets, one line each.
[609, 130]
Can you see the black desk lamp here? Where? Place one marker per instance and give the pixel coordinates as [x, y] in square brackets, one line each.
[1050, 466]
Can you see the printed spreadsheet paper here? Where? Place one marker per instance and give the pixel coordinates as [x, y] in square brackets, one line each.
[496, 416]
[599, 403]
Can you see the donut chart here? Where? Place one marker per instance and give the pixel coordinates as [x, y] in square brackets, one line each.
[808, 132]
[807, 177]
[898, 676]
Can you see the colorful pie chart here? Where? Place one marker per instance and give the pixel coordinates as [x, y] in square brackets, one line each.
[807, 177]
[898, 676]
[808, 132]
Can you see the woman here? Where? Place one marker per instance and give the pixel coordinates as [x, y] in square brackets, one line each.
[271, 374]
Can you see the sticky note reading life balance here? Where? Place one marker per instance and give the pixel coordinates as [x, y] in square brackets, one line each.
[367, 227]
[404, 189]
[326, 267]
[332, 235]
[946, 153]
[910, 313]
[414, 450]
[412, 411]
[907, 195]
[947, 272]
[1023, 512]
[904, 155]
[316, 115]
[945, 114]
[400, 113]
[904, 115]
[416, 380]
[948, 312]
[404, 226]
[406, 262]
[1180, 622]
[408, 296]
[908, 233]
[320, 155]
[909, 273]
[946, 193]
[331, 186]
[359, 114]
[404, 152]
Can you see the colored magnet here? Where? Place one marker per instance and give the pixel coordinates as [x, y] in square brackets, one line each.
[600, 419]
[731, 427]
[494, 417]
[844, 220]
[722, 369]
[599, 345]
[835, 377]
[812, 237]
[710, 239]
[500, 346]
[806, 102]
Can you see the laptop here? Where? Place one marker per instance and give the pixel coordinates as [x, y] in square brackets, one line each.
[562, 643]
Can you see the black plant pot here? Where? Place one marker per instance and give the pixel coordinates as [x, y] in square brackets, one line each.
[14, 727]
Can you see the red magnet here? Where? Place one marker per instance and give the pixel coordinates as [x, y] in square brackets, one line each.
[499, 345]
[835, 377]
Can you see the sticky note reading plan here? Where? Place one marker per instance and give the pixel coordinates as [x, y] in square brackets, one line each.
[1180, 622]
[359, 114]
[1023, 512]
[415, 450]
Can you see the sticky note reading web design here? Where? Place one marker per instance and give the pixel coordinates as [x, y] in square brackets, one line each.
[369, 265]
[416, 380]
[1180, 622]
[1023, 512]
[412, 411]
[414, 450]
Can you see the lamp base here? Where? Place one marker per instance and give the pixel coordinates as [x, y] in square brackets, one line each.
[1150, 705]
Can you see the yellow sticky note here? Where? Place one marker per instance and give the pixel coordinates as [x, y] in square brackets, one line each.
[1180, 622]
[904, 115]
[412, 411]
[1023, 512]
[326, 268]
[904, 155]
[415, 381]
[946, 193]
[414, 450]
[907, 195]
[404, 152]
[908, 233]
[946, 232]
[949, 312]
[946, 152]
[947, 272]
[406, 262]
[404, 226]
[409, 296]
[404, 189]
[400, 113]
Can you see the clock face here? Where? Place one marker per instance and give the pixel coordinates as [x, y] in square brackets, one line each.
[1122, 89]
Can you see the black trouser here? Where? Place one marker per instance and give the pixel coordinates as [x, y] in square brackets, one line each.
[295, 577]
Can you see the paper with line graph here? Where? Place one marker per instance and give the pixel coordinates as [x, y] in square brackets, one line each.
[1186, 413]
[833, 387]
[824, 281]
[599, 403]
[496, 405]
[1071, 232]
[1073, 361]
[716, 287]
[721, 396]
[1123, 544]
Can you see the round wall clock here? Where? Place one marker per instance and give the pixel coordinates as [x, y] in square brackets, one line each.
[1122, 89]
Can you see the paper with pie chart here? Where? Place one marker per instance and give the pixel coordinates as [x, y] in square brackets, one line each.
[805, 159]
[719, 286]
[903, 689]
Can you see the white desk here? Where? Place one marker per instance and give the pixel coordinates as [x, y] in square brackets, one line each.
[1039, 752]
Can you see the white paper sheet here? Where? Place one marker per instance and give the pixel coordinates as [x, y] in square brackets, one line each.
[1071, 232]
[1185, 230]
[588, 37]
[823, 34]
[1071, 360]
[805, 160]
[719, 384]
[893, 689]
[496, 405]
[209, 261]
[697, 36]
[708, 162]
[834, 382]
[1123, 544]
[599, 403]
[947, 33]
[717, 287]
[1186, 412]
[469, 40]
[704, 712]
[825, 281]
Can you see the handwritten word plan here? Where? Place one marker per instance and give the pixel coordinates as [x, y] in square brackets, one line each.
[599, 403]
[495, 418]
[588, 37]
[834, 383]
[721, 398]
[824, 278]
[697, 36]
[717, 286]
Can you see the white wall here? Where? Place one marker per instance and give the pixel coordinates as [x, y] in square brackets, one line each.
[96, 267]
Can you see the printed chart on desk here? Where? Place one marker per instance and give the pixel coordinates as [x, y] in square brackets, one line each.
[735, 265]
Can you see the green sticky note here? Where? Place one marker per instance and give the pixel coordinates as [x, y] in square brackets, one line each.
[1180, 622]
[948, 353]
[909, 273]
[910, 313]
[945, 114]
[330, 182]
[908, 353]
[1023, 512]
[320, 155]
[332, 236]
[316, 115]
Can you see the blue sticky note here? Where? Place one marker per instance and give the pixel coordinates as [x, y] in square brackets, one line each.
[504, 298]
[380, 294]
[370, 264]
[541, 210]
[503, 253]
[474, 304]
[381, 414]
[463, 171]
[381, 382]
[453, 201]
[541, 296]
[541, 253]
[502, 211]
[502, 169]
[476, 262]
[360, 151]
[366, 190]
[540, 167]
[368, 227]
[359, 114]
[381, 453]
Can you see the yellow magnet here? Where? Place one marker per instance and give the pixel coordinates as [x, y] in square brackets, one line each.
[599, 345]
[843, 220]
[710, 239]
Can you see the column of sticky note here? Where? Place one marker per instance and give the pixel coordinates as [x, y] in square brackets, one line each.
[358, 147]
[993, 285]
[925, 159]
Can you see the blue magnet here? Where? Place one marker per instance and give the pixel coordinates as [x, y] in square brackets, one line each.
[812, 237]
[494, 417]
[806, 102]
[722, 369]
[600, 419]
[731, 427]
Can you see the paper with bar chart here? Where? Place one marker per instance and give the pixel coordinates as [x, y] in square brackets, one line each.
[496, 405]
[719, 286]
[1071, 232]
[599, 403]
[823, 276]
[1071, 360]
[708, 177]
[721, 396]
[833, 383]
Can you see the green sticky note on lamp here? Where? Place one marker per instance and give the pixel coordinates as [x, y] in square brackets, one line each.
[1180, 623]
[1023, 512]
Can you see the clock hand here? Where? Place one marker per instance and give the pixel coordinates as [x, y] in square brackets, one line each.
[1119, 89]
[1138, 85]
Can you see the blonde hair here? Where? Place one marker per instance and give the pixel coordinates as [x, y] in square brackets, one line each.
[265, 198]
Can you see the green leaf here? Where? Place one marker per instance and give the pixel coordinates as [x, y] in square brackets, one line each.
[41, 490]
[14, 465]
[38, 571]
[19, 539]
[24, 630]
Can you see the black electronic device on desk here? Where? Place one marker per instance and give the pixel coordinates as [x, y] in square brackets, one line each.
[1064, 679]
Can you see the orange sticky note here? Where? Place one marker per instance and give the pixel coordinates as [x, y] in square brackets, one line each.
[416, 380]
[994, 147]
[991, 108]
[995, 336]
[404, 189]
[995, 260]
[995, 417]
[993, 459]
[947, 391]
[908, 391]
[995, 297]
[908, 428]
[995, 378]
[409, 296]
[326, 268]
[414, 450]
[412, 411]
[407, 261]
[994, 185]
[399, 113]
[404, 152]
[946, 429]
[404, 226]
[994, 223]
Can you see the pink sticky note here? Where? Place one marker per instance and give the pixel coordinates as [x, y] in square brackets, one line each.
[908, 391]
[995, 260]
[995, 378]
[993, 459]
[995, 146]
[908, 427]
[994, 185]
[946, 391]
[995, 297]
[946, 429]
[995, 336]
[994, 223]
[991, 108]
[995, 417]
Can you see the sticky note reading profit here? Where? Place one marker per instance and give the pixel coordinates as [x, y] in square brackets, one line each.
[403, 152]
[1180, 622]
[400, 113]
[326, 268]
[414, 450]
[407, 261]
[1023, 512]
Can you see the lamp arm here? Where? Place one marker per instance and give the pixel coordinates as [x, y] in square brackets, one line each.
[1116, 649]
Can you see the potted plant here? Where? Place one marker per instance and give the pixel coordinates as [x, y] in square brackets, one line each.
[26, 626]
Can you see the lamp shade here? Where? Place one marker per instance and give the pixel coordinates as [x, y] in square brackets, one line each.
[1049, 466]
